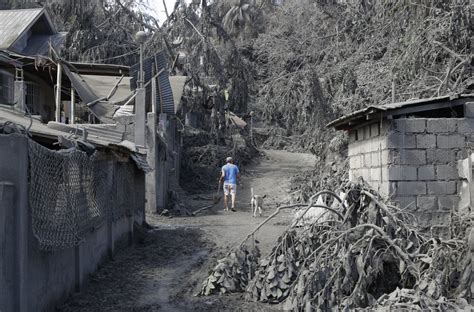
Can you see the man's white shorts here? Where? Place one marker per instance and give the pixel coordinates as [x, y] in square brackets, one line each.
[229, 188]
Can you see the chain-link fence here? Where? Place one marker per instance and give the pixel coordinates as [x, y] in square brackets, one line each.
[71, 193]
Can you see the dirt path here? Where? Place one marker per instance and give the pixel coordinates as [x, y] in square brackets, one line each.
[165, 270]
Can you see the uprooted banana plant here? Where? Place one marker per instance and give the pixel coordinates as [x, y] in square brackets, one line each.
[366, 253]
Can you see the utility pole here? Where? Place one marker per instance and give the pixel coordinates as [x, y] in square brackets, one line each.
[140, 110]
[58, 92]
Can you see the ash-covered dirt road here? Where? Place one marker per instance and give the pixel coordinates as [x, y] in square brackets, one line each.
[165, 270]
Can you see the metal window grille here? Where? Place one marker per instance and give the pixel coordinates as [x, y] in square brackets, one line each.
[32, 97]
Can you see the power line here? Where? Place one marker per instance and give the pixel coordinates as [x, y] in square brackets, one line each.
[118, 56]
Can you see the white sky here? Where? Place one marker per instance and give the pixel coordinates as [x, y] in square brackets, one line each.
[159, 10]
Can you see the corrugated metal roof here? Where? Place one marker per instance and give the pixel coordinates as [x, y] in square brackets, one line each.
[164, 98]
[392, 106]
[13, 23]
[177, 86]
[97, 135]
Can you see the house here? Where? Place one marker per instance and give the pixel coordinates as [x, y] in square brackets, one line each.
[409, 151]
[72, 179]
[25, 79]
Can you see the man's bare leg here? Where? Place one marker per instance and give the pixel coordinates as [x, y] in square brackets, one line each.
[233, 201]
[225, 203]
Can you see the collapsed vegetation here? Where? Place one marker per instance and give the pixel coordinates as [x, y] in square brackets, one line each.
[357, 252]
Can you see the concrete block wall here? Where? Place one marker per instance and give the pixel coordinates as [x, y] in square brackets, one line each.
[369, 155]
[416, 164]
[422, 167]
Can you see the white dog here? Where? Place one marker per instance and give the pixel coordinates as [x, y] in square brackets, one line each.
[256, 202]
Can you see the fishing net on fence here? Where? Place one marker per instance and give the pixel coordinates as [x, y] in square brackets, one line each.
[71, 193]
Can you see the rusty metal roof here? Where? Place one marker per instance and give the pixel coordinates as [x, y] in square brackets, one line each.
[13, 23]
[99, 135]
[352, 118]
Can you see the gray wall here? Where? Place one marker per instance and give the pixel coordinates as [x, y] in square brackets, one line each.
[35, 280]
[417, 163]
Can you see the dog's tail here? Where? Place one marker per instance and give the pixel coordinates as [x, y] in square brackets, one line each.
[251, 191]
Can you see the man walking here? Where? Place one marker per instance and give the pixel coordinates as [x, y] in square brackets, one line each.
[230, 174]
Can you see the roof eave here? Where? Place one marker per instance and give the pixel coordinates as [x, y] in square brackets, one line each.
[344, 122]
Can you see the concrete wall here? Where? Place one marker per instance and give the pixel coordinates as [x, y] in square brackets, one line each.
[35, 280]
[368, 155]
[423, 168]
[416, 163]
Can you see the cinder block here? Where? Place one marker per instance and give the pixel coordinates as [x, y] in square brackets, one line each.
[370, 145]
[450, 141]
[435, 218]
[386, 159]
[411, 188]
[385, 173]
[375, 185]
[462, 154]
[414, 125]
[441, 187]
[375, 159]
[375, 174]
[365, 173]
[446, 172]
[367, 160]
[354, 161]
[382, 142]
[412, 157]
[466, 126]
[448, 202]
[406, 202]
[402, 173]
[426, 141]
[355, 148]
[388, 188]
[440, 218]
[440, 156]
[426, 172]
[398, 140]
[427, 203]
[441, 125]
[375, 130]
[469, 110]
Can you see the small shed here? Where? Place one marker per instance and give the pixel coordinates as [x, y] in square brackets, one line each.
[409, 151]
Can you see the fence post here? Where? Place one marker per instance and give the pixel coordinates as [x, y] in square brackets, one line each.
[110, 213]
[78, 268]
[152, 159]
[9, 299]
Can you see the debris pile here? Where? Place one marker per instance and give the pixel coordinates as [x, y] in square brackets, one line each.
[201, 161]
[365, 254]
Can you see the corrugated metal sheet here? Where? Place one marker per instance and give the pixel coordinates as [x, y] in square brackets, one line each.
[164, 98]
[392, 106]
[177, 86]
[14, 22]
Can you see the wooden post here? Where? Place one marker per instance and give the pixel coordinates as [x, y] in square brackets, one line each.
[73, 103]
[154, 108]
[58, 92]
